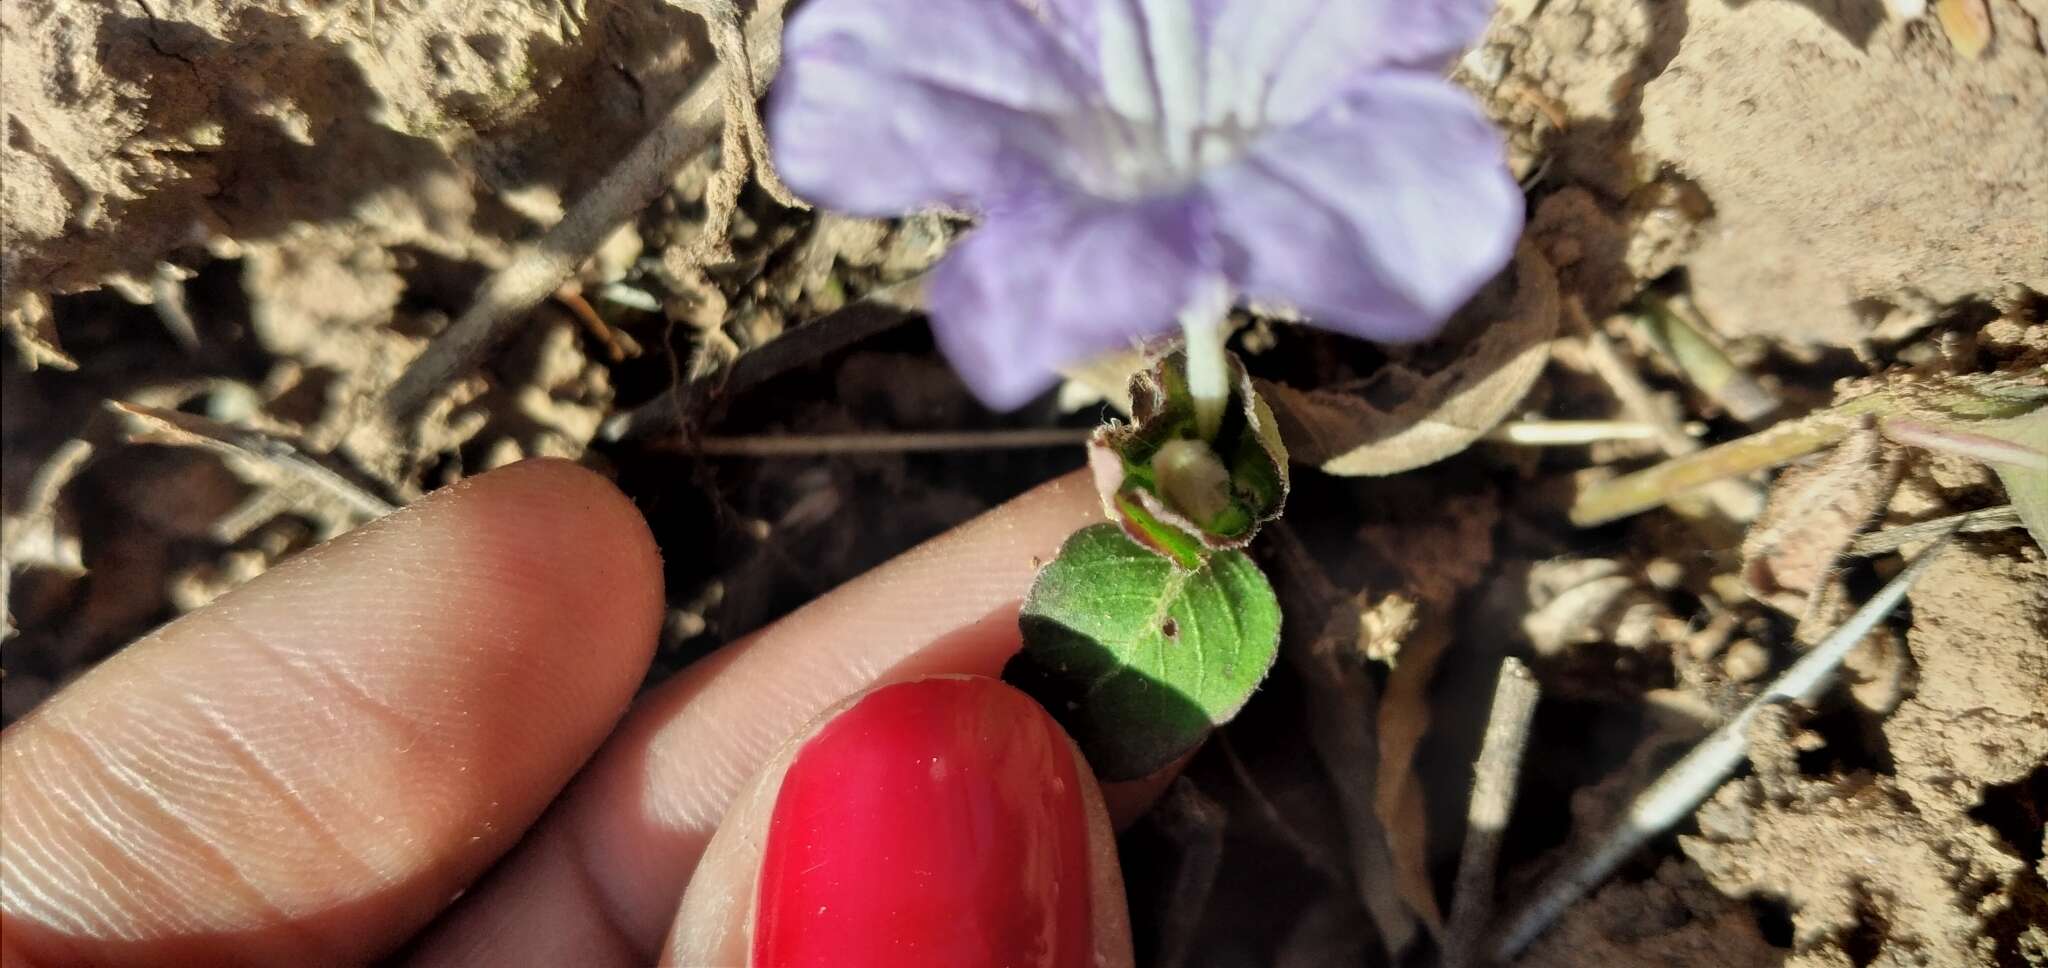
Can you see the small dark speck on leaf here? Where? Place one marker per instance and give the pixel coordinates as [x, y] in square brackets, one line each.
[1170, 629]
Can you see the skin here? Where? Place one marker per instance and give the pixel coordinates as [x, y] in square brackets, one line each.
[422, 739]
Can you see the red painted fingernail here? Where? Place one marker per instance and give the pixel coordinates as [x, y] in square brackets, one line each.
[936, 822]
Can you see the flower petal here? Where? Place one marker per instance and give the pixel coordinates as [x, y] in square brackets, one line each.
[1286, 59]
[1257, 62]
[1035, 289]
[1377, 217]
[885, 106]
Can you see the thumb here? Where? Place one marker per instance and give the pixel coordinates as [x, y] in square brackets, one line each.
[945, 820]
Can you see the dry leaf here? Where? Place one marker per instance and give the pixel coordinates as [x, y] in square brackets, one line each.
[1575, 601]
[1815, 510]
[1438, 558]
[1341, 703]
[1967, 23]
[2025, 486]
[1442, 412]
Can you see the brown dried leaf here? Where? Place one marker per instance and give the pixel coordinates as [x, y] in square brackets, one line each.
[1815, 510]
[1575, 601]
[1438, 558]
[1441, 413]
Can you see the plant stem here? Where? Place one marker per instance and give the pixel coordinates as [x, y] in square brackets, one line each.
[1208, 366]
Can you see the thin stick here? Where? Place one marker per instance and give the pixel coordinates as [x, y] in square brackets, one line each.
[912, 442]
[1569, 433]
[1629, 388]
[1493, 801]
[1691, 780]
[877, 312]
[618, 346]
[538, 268]
[1969, 522]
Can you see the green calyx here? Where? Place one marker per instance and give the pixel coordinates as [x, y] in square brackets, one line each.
[1173, 492]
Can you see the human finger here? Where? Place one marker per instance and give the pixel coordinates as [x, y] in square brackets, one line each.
[945, 820]
[308, 769]
[604, 871]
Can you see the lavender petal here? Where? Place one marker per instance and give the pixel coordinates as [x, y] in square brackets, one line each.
[1377, 217]
[886, 106]
[1286, 59]
[1035, 289]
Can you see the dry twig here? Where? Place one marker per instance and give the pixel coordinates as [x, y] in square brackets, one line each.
[538, 268]
[1486, 817]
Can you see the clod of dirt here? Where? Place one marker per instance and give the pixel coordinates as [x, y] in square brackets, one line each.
[1867, 876]
[1813, 161]
[1675, 918]
[1897, 870]
[1854, 161]
[1980, 714]
[135, 129]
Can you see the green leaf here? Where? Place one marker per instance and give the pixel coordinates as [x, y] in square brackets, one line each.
[2026, 486]
[1140, 659]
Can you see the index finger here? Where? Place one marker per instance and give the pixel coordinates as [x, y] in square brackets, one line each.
[604, 872]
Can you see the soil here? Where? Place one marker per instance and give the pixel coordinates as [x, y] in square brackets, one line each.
[248, 218]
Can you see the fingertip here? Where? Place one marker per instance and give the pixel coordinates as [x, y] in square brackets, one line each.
[556, 521]
[946, 815]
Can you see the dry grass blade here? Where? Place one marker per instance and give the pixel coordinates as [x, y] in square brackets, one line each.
[1646, 489]
[158, 426]
[1670, 326]
[1688, 783]
[1889, 540]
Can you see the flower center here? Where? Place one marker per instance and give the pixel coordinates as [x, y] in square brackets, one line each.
[1167, 116]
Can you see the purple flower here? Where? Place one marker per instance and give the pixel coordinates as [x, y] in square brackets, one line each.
[1139, 162]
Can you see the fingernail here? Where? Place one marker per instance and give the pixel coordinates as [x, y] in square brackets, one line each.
[936, 822]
